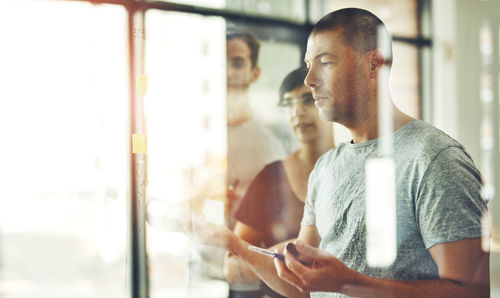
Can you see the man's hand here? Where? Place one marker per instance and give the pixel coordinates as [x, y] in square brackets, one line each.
[463, 271]
[323, 272]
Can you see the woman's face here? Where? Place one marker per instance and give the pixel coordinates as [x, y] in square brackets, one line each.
[304, 116]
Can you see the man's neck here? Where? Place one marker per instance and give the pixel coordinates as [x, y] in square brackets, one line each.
[239, 110]
[367, 129]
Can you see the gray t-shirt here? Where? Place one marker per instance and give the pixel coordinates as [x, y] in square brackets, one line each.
[437, 200]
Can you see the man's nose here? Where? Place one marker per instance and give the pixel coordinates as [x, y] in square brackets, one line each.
[311, 79]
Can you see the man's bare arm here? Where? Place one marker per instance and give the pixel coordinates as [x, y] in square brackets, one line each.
[463, 271]
[263, 266]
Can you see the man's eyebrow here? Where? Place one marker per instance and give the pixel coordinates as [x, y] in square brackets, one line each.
[320, 55]
[324, 54]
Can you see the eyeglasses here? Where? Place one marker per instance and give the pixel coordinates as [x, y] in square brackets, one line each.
[237, 62]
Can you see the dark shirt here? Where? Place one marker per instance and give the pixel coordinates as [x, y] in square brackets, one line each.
[271, 207]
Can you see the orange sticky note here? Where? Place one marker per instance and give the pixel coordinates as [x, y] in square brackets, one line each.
[142, 84]
[139, 143]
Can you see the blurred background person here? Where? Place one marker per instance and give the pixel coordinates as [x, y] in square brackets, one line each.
[272, 208]
[252, 142]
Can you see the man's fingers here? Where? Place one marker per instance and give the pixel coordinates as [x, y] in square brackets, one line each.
[295, 264]
[308, 251]
[287, 275]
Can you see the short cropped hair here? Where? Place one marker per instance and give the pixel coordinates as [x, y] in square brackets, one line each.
[249, 38]
[293, 80]
[359, 28]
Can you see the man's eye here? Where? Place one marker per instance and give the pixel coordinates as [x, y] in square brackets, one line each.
[237, 63]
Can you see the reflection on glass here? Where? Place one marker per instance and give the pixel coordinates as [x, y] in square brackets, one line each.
[63, 154]
[380, 190]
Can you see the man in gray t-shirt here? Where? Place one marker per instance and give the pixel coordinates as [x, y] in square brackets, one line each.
[438, 206]
[437, 200]
[438, 203]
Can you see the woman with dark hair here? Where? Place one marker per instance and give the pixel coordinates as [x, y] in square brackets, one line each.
[273, 205]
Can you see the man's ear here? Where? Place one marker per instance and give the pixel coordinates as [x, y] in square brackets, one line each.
[255, 73]
[377, 61]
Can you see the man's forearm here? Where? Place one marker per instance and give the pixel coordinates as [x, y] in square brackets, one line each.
[365, 286]
[263, 267]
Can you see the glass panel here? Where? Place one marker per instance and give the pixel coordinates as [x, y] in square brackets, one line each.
[293, 10]
[64, 162]
[399, 16]
[405, 79]
[188, 141]
[186, 126]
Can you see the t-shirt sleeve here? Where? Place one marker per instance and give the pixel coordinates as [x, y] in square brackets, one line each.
[448, 205]
[250, 211]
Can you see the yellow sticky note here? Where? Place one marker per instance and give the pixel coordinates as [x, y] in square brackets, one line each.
[142, 84]
[139, 143]
[495, 239]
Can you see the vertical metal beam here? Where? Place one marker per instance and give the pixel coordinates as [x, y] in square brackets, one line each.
[138, 265]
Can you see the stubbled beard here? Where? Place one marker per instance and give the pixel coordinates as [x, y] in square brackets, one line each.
[343, 115]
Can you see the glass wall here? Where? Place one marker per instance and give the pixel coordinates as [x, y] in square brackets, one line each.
[64, 115]
[185, 112]
[63, 118]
